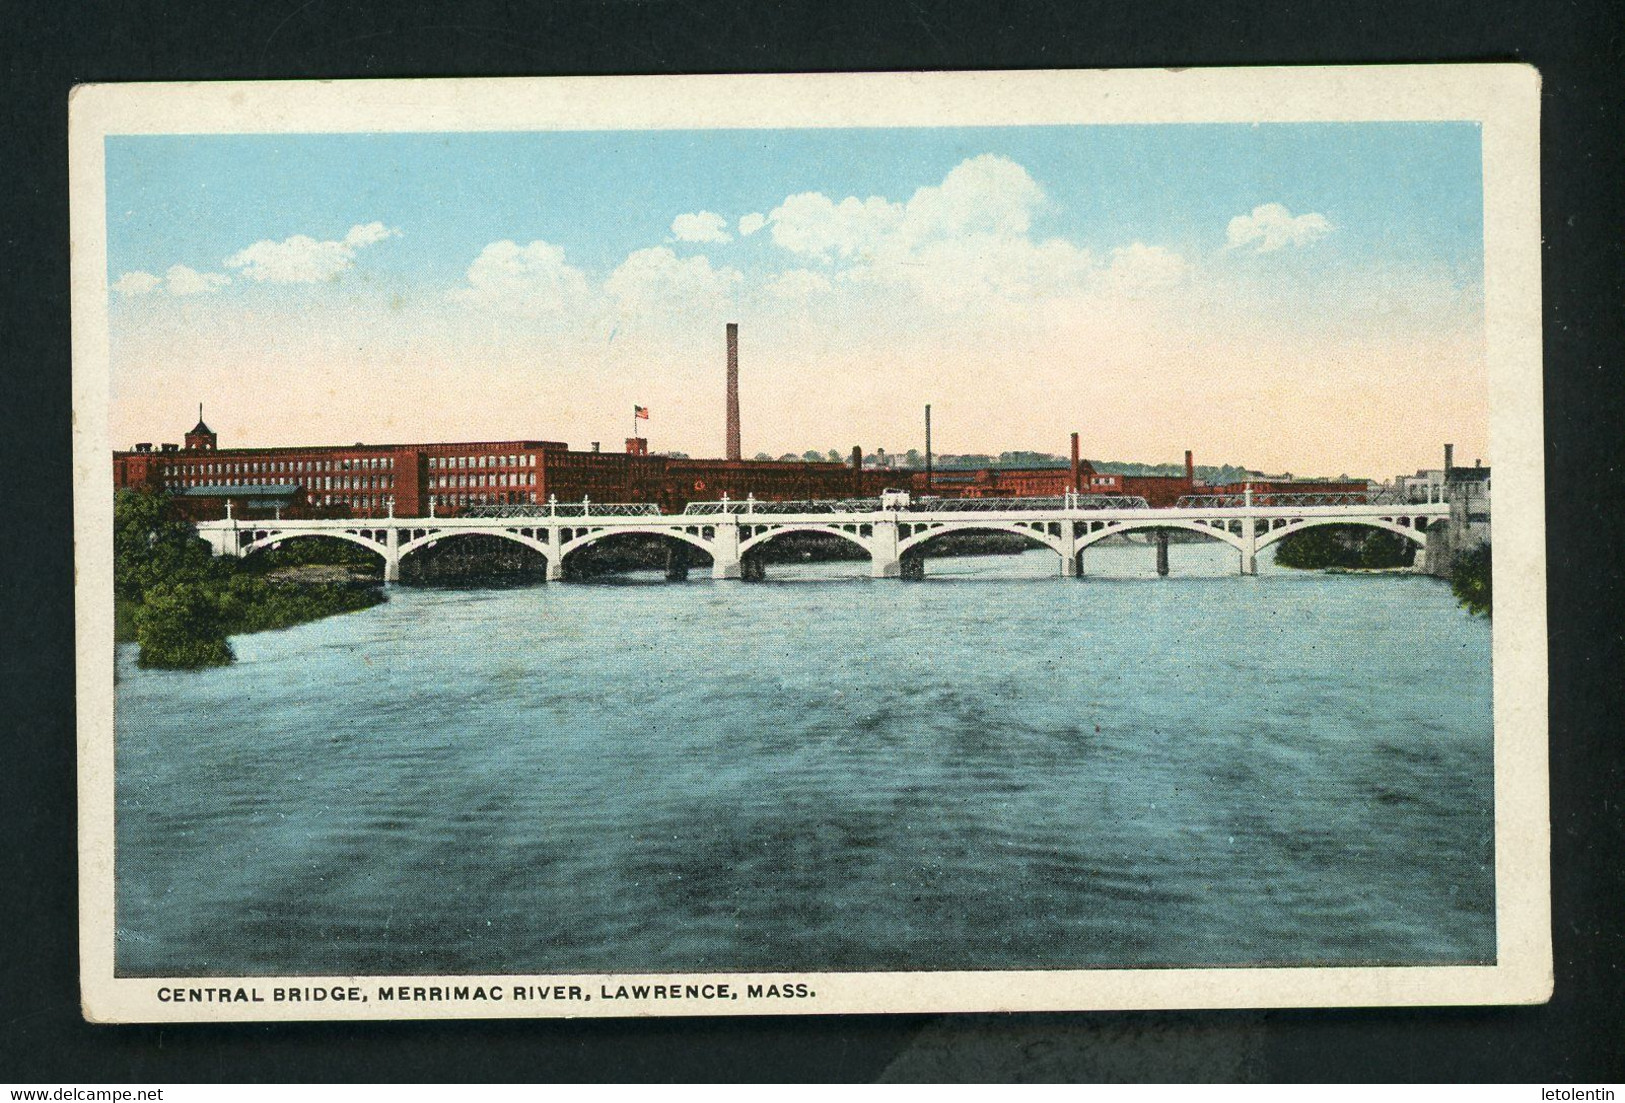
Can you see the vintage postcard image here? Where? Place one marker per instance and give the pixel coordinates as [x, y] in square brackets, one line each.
[809, 544]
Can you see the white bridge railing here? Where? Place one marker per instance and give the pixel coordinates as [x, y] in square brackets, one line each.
[894, 533]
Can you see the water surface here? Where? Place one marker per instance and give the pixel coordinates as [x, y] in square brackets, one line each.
[993, 768]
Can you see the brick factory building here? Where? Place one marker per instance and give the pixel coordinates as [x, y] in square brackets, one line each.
[363, 480]
[419, 480]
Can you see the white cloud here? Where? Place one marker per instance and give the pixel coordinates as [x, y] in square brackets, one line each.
[532, 278]
[702, 226]
[1141, 267]
[986, 194]
[812, 224]
[370, 234]
[958, 245]
[751, 223]
[655, 281]
[179, 280]
[798, 285]
[1271, 226]
[303, 259]
[136, 283]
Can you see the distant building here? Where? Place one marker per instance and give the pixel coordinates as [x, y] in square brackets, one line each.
[366, 480]
[1425, 485]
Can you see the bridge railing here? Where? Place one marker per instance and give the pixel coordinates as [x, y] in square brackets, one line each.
[566, 509]
[754, 506]
[1295, 500]
[1009, 505]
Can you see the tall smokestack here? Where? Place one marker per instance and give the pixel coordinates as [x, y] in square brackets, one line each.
[1077, 467]
[928, 447]
[1190, 469]
[733, 390]
[1449, 459]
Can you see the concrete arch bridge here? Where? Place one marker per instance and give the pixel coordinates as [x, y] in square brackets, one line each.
[894, 536]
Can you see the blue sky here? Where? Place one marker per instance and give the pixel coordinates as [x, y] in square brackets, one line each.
[1405, 193]
[1133, 266]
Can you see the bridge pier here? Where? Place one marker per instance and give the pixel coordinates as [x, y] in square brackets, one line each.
[885, 568]
[676, 563]
[725, 561]
[1162, 553]
[1249, 546]
[555, 554]
[392, 555]
[1070, 555]
[884, 559]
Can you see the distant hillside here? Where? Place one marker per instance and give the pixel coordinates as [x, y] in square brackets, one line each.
[914, 460]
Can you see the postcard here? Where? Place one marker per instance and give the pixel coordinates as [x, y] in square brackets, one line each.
[747, 545]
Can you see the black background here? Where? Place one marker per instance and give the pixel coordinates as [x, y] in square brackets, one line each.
[1577, 47]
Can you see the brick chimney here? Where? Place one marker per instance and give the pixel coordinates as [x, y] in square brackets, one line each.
[1077, 467]
[1190, 469]
[733, 391]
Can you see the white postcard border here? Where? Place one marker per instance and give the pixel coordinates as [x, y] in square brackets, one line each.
[1503, 99]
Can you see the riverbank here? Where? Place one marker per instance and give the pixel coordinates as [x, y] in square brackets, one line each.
[181, 604]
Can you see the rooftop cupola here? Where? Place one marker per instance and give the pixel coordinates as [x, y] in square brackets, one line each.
[201, 438]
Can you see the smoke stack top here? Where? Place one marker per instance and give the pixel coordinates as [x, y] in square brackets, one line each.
[733, 391]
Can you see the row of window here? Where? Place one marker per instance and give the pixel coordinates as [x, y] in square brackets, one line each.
[511, 499]
[443, 482]
[272, 467]
[320, 482]
[459, 462]
[355, 501]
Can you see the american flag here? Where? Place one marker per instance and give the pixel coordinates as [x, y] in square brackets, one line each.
[641, 412]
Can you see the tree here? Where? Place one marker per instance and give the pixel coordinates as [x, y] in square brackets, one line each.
[813, 456]
[1470, 581]
[1325, 546]
[179, 627]
[914, 458]
[182, 602]
[835, 456]
[763, 456]
[151, 550]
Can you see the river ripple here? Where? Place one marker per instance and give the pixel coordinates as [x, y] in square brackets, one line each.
[991, 769]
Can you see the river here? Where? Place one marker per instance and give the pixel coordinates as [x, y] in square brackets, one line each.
[993, 768]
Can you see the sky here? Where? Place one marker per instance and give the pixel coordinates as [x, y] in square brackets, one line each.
[1304, 298]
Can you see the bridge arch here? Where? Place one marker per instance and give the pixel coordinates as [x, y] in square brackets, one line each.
[1417, 536]
[1151, 524]
[772, 534]
[591, 538]
[1043, 539]
[277, 536]
[435, 536]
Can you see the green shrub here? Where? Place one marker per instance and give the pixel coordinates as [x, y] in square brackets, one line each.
[1346, 546]
[180, 603]
[1470, 580]
[179, 626]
